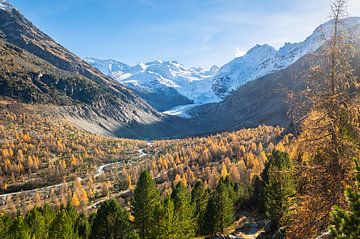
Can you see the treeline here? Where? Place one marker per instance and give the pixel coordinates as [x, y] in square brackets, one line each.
[182, 214]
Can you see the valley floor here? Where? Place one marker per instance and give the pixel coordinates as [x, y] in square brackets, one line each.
[45, 158]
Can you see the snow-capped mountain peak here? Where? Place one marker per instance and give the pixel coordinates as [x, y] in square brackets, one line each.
[193, 83]
[5, 5]
[199, 85]
[107, 66]
[262, 50]
[214, 69]
[264, 59]
[258, 61]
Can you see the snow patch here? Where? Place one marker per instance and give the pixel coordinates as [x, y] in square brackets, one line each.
[5, 5]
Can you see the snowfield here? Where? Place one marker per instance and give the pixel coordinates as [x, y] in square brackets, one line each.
[193, 83]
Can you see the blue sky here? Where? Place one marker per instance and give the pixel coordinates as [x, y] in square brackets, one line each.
[193, 32]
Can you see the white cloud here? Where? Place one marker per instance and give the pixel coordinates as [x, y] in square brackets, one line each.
[238, 52]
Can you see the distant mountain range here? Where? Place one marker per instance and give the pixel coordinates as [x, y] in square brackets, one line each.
[258, 100]
[169, 84]
[127, 101]
[163, 85]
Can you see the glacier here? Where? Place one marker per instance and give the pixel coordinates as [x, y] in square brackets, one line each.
[203, 86]
[193, 83]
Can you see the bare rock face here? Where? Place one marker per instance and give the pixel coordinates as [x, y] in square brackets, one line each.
[261, 101]
[264, 100]
[36, 69]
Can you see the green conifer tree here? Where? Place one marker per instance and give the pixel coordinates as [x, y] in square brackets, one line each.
[112, 222]
[63, 225]
[185, 223]
[145, 202]
[346, 223]
[279, 187]
[37, 224]
[220, 210]
[82, 227]
[19, 229]
[199, 200]
[49, 215]
[166, 220]
[5, 224]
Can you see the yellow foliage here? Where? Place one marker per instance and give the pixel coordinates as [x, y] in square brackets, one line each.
[224, 172]
[75, 200]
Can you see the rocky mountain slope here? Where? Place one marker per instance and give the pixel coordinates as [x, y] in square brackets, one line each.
[264, 100]
[35, 69]
[264, 59]
[160, 81]
[163, 85]
[260, 101]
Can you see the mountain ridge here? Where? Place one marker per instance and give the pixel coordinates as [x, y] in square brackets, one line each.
[158, 80]
[37, 70]
[262, 101]
[262, 60]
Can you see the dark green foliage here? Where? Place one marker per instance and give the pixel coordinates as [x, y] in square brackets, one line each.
[91, 219]
[145, 202]
[40, 223]
[241, 194]
[257, 194]
[236, 192]
[49, 215]
[63, 225]
[279, 187]
[179, 216]
[199, 200]
[346, 223]
[220, 209]
[112, 222]
[166, 220]
[5, 223]
[19, 229]
[82, 227]
[184, 212]
[37, 224]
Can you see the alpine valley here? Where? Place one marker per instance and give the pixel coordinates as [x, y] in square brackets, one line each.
[265, 146]
[225, 99]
